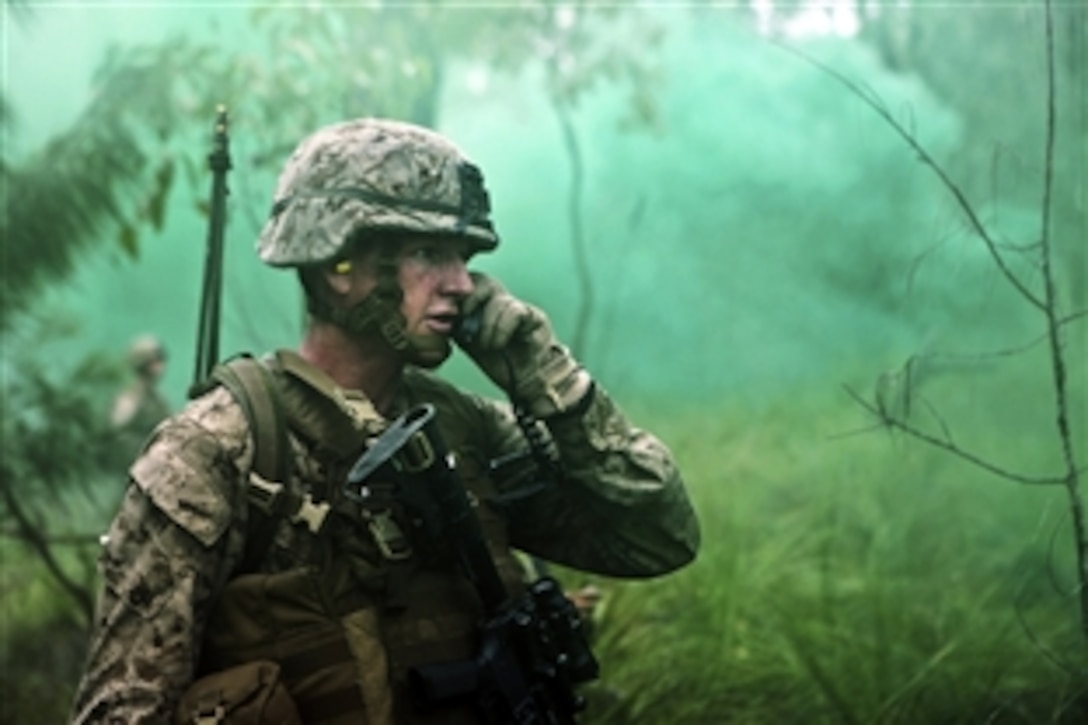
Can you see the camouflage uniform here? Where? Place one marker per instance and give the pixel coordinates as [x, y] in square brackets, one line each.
[168, 611]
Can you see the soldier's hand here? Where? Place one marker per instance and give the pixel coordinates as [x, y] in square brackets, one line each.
[514, 345]
[585, 600]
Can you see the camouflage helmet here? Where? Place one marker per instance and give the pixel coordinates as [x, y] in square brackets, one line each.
[143, 351]
[372, 175]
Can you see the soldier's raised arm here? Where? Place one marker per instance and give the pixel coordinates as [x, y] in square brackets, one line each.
[619, 506]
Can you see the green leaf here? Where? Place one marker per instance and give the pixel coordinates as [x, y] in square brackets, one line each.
[128, 240]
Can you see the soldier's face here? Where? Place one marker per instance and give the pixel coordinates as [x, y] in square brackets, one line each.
[434, 278]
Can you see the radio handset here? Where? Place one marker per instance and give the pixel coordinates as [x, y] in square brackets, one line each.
[467, 328]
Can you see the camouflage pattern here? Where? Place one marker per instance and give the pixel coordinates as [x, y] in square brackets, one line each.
[372, 174]
[621, 511]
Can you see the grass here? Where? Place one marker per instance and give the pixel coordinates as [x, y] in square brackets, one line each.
[849, 579]
[844, 578]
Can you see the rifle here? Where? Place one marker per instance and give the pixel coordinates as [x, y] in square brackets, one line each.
[533, 651]
[207, 342]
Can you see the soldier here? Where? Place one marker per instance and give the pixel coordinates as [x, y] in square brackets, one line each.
[140, 406]
[324, 619]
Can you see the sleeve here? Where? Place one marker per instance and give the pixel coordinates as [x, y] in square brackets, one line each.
[621, 508]
[168, 552]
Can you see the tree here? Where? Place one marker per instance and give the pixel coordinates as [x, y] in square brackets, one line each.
[898, 401]
[59, 204]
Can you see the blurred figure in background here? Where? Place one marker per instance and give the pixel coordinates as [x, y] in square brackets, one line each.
[140, 406]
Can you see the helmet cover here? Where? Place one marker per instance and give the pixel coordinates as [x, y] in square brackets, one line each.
[372, 175]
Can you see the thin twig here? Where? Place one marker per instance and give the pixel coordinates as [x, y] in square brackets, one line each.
[856, 432]
[1005, 352]
[945, 429]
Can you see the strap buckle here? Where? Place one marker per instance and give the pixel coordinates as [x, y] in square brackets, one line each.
[209, 710]
[276, 500]
[388, 535]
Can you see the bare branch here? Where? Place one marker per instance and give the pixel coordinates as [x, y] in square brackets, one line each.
[947, 445]
[965, 206]
[31, 535]
[1004, 352]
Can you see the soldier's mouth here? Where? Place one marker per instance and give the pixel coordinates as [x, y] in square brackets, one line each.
[443, 323]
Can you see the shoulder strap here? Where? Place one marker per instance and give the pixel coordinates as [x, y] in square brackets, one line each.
[252, 385]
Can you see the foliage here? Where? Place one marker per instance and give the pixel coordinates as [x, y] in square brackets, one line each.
[112, 173]
[97, 178]
[59, 471]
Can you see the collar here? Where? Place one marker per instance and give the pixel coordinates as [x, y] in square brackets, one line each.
[318, 409]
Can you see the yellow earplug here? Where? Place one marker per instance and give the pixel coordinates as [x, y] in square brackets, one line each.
[342, 267]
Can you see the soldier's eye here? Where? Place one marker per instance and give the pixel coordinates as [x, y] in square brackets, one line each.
[425, 254]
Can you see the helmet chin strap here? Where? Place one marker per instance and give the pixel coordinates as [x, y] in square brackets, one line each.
[379, 311]
[373, 313]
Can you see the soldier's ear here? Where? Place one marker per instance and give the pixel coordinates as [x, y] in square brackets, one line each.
[338, 277]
